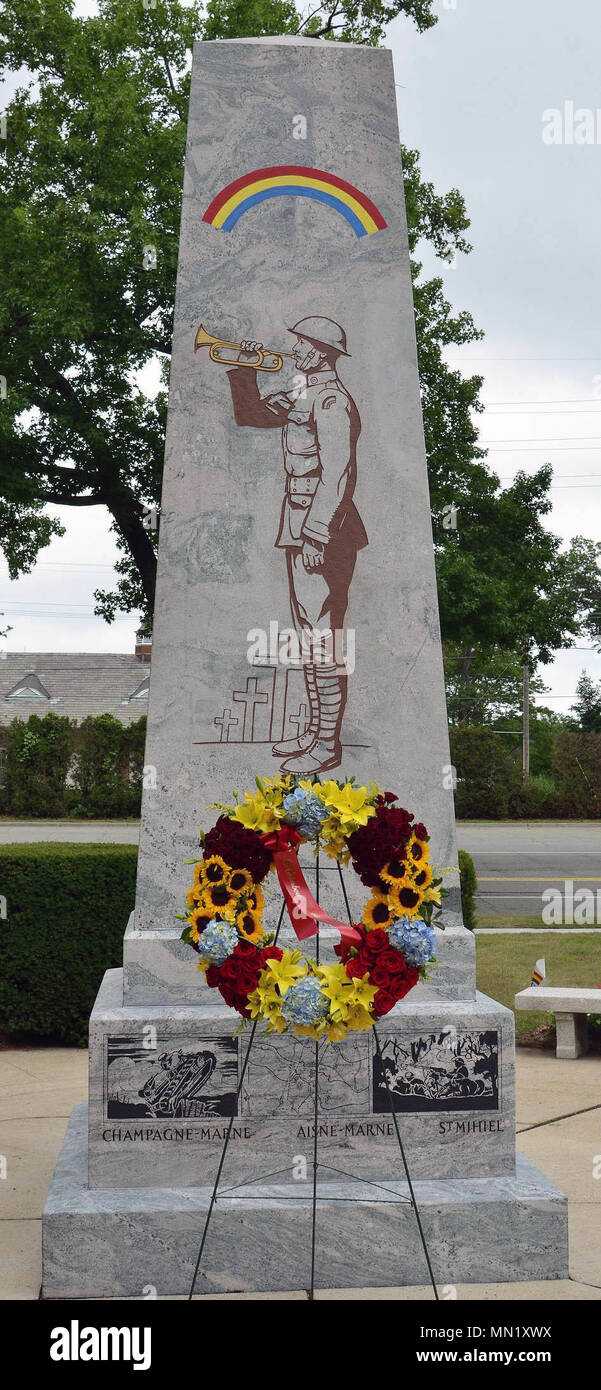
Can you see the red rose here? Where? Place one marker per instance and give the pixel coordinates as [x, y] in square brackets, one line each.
[384, 1001]
[269, 953]
[229, 969]
[213, 976]
[403, 986]
[379, 975]
[246, 982]
[395, 962]
[355, 969]
[245, 948]
[377, 940]
[420, 831]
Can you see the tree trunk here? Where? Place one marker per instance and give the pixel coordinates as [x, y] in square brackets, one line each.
[127, 514]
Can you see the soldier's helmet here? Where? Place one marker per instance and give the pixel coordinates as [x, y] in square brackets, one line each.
[323, 332]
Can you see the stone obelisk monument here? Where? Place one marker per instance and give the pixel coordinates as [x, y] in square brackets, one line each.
[295, 501]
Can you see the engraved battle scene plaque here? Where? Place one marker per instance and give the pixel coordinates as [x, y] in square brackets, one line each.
[179, 1078]
[448, 1070]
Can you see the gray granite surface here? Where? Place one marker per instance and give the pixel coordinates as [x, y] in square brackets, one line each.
[158, 968]
[220, 573]
[127, 1242]
[163, 1083]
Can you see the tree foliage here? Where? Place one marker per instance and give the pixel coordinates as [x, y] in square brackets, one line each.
[90, 193]
[587, 706]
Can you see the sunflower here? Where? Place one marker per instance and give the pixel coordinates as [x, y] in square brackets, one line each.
[198, 919]
[255, 900]
[249, 925]
[377, 912]
[422, 877]
[240, 881]
[418, 851]
[217, 897]
[395, 873]
[199, 879]
[406, 901]
[216, 869]
[194, 896]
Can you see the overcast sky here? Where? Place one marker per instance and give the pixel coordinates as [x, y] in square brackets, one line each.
[474, 96]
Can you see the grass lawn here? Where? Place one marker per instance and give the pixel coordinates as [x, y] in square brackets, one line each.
[533, 923]
[504, 965]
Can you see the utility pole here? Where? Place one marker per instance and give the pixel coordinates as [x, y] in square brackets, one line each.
[526, 722]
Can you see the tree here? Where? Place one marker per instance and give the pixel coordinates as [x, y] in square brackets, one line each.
[492, 691]
[588, 705]
[90, 192]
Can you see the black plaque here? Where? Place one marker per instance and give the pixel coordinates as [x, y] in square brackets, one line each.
[448, 1070]
[181, 1078]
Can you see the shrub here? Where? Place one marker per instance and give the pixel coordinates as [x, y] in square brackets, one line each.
[469, 885]
[52, 767]
[489, 775]
[38, 754]
[102, 768]
[577, 768]
[67, 910]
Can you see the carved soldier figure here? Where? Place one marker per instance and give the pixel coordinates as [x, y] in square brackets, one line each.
[320, 527]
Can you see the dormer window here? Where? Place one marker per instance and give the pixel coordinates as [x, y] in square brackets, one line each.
[28, 688]
[141, 691]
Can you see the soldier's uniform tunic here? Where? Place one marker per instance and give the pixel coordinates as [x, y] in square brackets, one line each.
[320, 427]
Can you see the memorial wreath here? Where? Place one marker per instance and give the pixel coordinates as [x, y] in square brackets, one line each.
[380, 958]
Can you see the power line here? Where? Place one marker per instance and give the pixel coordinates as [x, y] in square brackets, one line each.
[527, 359]
[549, 400]
[545, 448]
[550, 438]
[505, 414]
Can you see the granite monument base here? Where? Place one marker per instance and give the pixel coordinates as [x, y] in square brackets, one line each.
[164, 1082]
[127, 1242]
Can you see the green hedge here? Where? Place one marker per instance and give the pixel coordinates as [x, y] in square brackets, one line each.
[490, 785]
[67, 908]
[469, 885]
[53, 767]
[37, 760]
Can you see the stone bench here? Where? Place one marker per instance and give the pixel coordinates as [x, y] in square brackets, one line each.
[570, 1007]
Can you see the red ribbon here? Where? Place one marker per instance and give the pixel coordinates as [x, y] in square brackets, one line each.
[304, 912]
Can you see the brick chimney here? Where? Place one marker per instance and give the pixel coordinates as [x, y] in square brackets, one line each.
[143, 647]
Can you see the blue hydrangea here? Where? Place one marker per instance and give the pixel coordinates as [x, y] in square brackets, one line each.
[304, 1002]
[305, 810]
[217, 942]
[414, 938]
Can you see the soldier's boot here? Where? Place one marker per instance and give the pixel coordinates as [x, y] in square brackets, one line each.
[326, 752]
[291, 747]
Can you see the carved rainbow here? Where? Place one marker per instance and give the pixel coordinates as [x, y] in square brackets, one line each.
[298, 181]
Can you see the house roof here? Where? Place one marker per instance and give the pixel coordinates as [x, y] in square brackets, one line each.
[75, 684]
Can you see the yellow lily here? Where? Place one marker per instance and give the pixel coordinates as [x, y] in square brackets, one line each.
[287, 971]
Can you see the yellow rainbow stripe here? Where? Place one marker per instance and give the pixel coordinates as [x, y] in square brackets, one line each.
[236, 198]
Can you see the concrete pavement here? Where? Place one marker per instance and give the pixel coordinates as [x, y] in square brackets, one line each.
[559, 1126]
[110, 832]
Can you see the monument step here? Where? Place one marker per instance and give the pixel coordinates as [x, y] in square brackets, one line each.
[128, 1242]
[159, 966]
[164, 1080]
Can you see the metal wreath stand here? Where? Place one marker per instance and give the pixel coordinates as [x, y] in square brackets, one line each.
[217, 1192]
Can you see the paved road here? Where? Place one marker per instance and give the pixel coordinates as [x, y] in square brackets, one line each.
[516, 863]
[108, 832]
